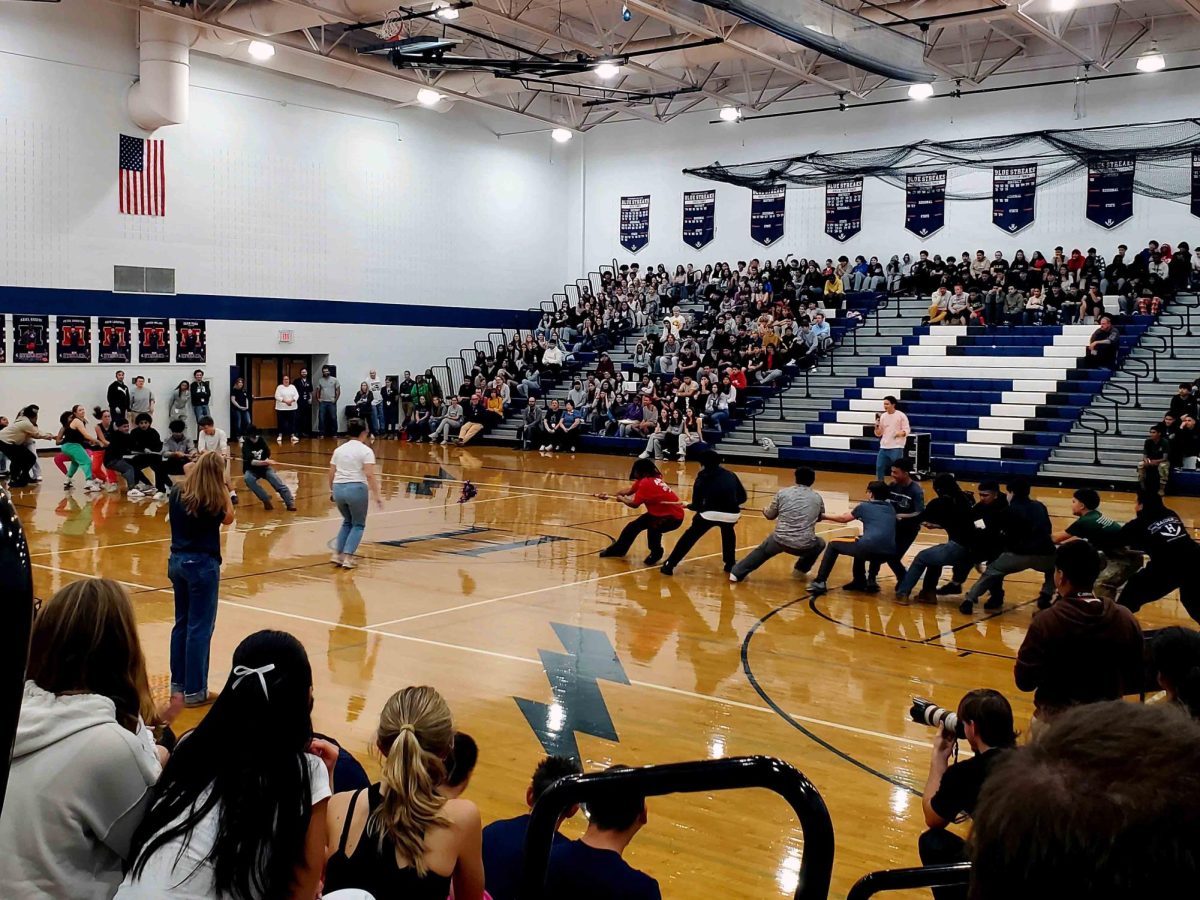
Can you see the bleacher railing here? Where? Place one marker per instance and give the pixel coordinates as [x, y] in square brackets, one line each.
[907, 879]
[816, 862]
[1095, 430]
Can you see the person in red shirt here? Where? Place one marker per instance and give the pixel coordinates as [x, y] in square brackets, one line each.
[737, 377]
[664, 511]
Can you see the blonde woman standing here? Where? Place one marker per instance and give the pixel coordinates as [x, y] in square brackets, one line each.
[403, 839]
[199, 506]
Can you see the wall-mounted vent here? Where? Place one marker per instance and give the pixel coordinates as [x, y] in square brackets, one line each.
[143, 280]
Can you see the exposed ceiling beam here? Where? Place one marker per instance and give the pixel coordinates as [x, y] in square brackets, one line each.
[1017, 14]
[1191, 6]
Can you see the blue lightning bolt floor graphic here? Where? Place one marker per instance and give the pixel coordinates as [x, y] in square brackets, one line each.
[578, 705]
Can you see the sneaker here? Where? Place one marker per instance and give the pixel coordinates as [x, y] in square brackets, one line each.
[267, 504]
[544, 448]
[610, 552]
[653, 558]
[871, 587]
[233, 497]
[733, 579]
[160, 495]
[966, 607]
[861, 586]
[667, 570]
[110, 487]
[336, 559]
[279, 438]
[949, 589]
[69, 486]
[927, 597]
[348, 562]
[902, 597]
[91, 486]
[817, 587]
[995, 602]
[645, 454]
[291, 507]
[134, 494]
[295, 440]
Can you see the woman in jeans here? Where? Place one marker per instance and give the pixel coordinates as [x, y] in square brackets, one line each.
[199, 506]
[352, 481]
[239, 410]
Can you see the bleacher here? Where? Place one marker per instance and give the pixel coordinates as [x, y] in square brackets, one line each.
[994, 401]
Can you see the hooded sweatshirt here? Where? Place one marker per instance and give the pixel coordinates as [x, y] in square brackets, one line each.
[79, 787]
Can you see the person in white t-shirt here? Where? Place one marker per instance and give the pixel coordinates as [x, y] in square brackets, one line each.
[891, 427]
[240, 809]
[213, 438]
[352, 482]
[287, 400]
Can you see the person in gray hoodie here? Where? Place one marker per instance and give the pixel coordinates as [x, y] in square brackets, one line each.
[84, 760]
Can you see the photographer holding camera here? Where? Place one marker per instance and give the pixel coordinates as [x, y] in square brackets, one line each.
[985, 721]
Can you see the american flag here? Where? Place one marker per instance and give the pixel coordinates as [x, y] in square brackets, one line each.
[143, 182]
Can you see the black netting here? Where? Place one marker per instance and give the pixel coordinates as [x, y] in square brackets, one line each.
[1163, 151]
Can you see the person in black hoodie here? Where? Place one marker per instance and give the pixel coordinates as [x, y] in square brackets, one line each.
[256, 466]
[116, 458]
[145, 443]
[717, 499]
[1027, 545]
[1174, 556]
[951, 511]
[989, 511]
[118, 397]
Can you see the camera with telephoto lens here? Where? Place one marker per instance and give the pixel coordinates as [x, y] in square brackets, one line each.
[926, 712]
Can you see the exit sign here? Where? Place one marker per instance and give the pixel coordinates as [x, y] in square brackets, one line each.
[286, 335]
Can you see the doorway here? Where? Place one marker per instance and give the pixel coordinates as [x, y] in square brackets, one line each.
[265, 373]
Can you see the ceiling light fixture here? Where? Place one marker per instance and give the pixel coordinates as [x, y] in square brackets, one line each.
[730, 113]
[449, 13]
[1151, 60]
[1062, 5]
[561, 135]
[428, 97]
[607, 70]
[920, 91]
[261, 50]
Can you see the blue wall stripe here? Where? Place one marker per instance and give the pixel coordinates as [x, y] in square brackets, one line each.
[72, 302]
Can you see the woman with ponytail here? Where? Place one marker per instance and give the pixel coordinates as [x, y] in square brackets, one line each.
[403, 839]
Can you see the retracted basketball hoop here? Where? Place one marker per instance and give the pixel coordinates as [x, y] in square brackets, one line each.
[391, 28]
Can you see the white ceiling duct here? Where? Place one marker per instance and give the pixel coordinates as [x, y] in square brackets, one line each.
[160, 95]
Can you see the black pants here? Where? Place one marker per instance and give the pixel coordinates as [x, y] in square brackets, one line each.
[654, 526]
[287, 422]
[1159, 578]
[568, 439]
[937, 847]
[700, 527]
[20, 460]
[304, 421]
[906, 535]
[157, 465]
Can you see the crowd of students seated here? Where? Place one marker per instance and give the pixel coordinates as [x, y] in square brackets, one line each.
[104, 800]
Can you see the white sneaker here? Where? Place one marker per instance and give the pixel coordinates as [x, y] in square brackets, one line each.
[110, 487]
[91, 486]
[279, 438]
[336, 559]
[645, 454]
[69, 486]
[134, 494]
[160, 495]
[295, 440]
[348, 562]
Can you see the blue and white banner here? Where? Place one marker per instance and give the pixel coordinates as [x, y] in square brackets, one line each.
[635, 222]
[1110, 191]
[699, 217]
[1013, 196]
[843, 208]
[1196, 182]
[925, 203]
[766, 215]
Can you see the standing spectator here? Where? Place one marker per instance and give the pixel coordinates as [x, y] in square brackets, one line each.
[287, 403]
[118, 396]
[180, 404]
[1174, 556]
[1082, 649]
[530, 429]
[664, 511]
[1155, 467]
[141, 398]
[352, 482]
[363, 408]
[1118, 563]
[717, 500]
[891, 427]
[390, 393]
[239, 410]
[796, 511]
[1027, 544]
[592, 867]
[201, 393]
[952, 790]
[328, 392]
[504, 840]
[878, 540]
[16, 443]
[375, 386]
[199, 506]
[405, 387]
[304, 419]
[451, 423]
[256, 465]
[1102, 346]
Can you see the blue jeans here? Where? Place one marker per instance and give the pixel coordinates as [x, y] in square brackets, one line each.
[930, 562]
[327, 418]
[376, 418]
[884, 460]
[239, 421]
[196, 578]
[267, 474]
[351, 499]
[199, 411]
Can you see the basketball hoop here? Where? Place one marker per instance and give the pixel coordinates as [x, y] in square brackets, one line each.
[391, 28]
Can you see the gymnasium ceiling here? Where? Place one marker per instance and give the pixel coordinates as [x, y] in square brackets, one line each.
[730, 62]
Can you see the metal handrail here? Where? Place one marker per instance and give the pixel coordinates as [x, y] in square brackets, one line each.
[1117, 404]
[1187, 306]
[816, 863]
[905, 879]
[1154, 351]
[1137, 377]
[1171, 329]
[1096, 432]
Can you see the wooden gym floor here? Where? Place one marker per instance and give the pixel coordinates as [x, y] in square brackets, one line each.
[503, 605]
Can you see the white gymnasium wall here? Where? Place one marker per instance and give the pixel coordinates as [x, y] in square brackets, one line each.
[277, 188]
[645, 158]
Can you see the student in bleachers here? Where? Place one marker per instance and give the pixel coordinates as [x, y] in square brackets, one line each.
[504, 840]
[400, 837]
[1155, 467]
[249, 822]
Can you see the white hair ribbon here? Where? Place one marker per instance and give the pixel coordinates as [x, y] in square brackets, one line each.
[242, 671]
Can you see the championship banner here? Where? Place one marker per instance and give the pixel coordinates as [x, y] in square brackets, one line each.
[766, 215]
[154, 340]
[1196, 182]
[1110, 191]
[74, 339]
[925, 203]
[699, 217]
[31, 339]
[843, 208]
[635, 222]
[3, 338]
[190, 343]
[115, 341]
[1013, 192]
